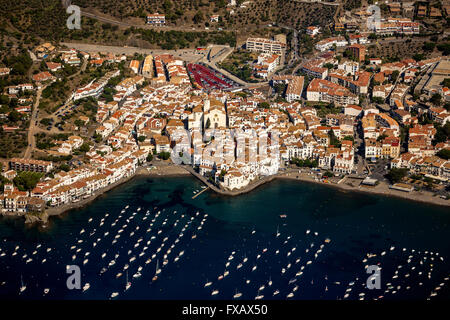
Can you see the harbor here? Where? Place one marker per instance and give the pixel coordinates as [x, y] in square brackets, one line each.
[149, 239]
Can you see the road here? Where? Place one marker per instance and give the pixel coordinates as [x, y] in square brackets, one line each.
[190, 55]
[32, 129]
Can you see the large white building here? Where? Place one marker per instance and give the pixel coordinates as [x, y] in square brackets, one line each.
[265, 45]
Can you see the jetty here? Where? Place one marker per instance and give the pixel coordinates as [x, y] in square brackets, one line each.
[199, 193]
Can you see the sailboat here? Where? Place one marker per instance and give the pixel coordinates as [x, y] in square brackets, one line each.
[22, 285]
[278, 232]
[155, 277]
[207, 284]
[86, 287]
[128, 284]
[259, 296]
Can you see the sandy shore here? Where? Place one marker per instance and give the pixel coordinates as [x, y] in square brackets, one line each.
[162, 169]
[349, 184]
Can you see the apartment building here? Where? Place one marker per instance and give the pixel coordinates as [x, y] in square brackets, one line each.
[30, 165]
[327, 91]
[265, 45]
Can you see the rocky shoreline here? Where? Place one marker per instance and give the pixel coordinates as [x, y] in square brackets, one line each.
[165, 169]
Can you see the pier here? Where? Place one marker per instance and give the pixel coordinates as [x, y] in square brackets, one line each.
[199, 193]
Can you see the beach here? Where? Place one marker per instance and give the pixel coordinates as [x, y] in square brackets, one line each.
[350, 184]
[346, 184]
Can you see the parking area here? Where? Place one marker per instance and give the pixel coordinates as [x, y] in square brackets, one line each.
[210, 79]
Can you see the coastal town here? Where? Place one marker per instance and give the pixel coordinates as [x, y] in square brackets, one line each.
[233, 116]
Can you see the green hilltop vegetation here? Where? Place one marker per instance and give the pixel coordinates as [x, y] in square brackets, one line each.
[29, 22]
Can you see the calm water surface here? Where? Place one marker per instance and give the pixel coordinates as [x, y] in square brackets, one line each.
[234, 239]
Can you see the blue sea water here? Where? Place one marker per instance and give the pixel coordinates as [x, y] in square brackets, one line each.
[410, 241]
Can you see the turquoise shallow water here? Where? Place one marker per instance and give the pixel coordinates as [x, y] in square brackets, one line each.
[247, 225]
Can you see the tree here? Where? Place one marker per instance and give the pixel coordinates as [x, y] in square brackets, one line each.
[164, 155]
[396, 174]
[436, 99]
[141, 138]
[444, 154]
[46, 121]
[378, 100]
[350, 138]
[264, 105]
[4, 99]
[222, 174]
[97, 137]
[84, 147]
[14, 116]
[208, 124]
[429, 46]
[445, 48]
[395, 75]
[442, 133]
[382, 137]
[26, 181]
[334, 141]
[79, 123]
[149, 157]
[198, 17]
[328, 174]
[65, 167]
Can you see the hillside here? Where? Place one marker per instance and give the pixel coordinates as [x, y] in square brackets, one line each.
[29, 22]
[195, 14]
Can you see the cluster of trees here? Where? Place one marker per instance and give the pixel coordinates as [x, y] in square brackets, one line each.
[442, 133]
[243, 72]
[444, 154]
[27, 180]
[173, 39]
[46, 21]
[19, 64]
[11, 144]
[334, 141]
[304, 163]
[65, 167]
[396, 174]
[323, 109]
[56, 159]
[445, 48]
[85, 147]
[164, 155]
